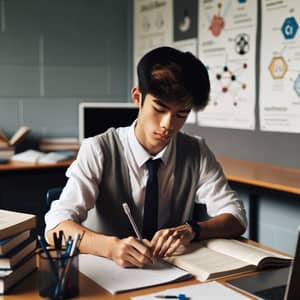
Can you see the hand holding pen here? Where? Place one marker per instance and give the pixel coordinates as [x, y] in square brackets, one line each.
[131, 252]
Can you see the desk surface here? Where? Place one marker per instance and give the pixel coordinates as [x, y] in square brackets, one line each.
[240, 171]
[261, 175]
[19, 166]
[27, 288]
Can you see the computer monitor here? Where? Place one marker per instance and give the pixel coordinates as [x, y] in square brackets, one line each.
[96, 117]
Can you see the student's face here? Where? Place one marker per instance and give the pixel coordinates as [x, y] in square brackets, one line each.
[158, 120]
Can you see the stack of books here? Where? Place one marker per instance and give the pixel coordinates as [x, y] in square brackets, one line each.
[7, 146]
[17, 247]
[59, 144]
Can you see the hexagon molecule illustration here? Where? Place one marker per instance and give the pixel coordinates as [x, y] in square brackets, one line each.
[297, 85]
[278, 67]
[289, 28]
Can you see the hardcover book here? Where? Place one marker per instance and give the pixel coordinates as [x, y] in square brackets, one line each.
[11, 259]
[12, 222]
[16, 138]
[8, 278]
[9, 243]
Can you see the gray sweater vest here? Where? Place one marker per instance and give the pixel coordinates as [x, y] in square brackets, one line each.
[108, 216]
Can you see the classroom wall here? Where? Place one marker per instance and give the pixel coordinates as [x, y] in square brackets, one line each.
[61, 53]
[55, 54]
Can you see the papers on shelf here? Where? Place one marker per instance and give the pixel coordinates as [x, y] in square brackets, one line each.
[34, 156]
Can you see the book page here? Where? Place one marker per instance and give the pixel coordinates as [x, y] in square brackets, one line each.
[248, 253]
[206, 263]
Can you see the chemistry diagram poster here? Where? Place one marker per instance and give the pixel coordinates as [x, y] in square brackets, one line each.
[164, 23]
[280, 66]
[227, 43]
[153, 27]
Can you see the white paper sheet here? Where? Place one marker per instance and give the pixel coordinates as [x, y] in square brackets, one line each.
[116, 279]
[204, 291]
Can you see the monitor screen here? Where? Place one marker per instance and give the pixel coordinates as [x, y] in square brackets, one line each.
[95, 118]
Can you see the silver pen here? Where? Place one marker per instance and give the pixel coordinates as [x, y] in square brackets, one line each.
[132, 222]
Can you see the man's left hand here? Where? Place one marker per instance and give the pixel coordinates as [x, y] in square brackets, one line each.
[166, 241]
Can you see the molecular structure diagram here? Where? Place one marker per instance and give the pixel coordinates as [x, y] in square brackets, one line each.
[297, 85]
[289, 28]
[278, 69]
[228, 81]
[242, 43]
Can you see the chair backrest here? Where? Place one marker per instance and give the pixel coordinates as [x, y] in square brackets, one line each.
[52, 194]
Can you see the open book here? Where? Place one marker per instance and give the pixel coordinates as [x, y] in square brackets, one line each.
[7, 146]
[216, 258]
[16, 138]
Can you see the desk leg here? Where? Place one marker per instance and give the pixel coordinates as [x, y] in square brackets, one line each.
[253, 217]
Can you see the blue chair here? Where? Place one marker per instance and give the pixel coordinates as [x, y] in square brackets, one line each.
[52, 194]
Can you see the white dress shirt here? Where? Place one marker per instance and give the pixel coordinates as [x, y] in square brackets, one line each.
[82, 188]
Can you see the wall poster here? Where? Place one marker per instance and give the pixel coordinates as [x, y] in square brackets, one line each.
[165, 23]
[280, 66]
[227, 45]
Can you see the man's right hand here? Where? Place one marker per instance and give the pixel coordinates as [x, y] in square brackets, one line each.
[130, 253]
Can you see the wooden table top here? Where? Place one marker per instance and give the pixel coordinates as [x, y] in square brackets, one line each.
[27, 289]
[240, 171]
[19, 166]
[261, 175]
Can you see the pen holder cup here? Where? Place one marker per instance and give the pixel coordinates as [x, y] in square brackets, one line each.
[58, 275]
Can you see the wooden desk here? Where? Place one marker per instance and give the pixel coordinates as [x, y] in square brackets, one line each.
[21, 166]
[27, 289]
[261, 175]
[258, 175]
[23, 186]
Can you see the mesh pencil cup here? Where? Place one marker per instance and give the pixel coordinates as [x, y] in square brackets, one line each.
[58, 275]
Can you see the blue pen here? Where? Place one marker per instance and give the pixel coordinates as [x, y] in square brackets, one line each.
[180, 297]
[50, 260]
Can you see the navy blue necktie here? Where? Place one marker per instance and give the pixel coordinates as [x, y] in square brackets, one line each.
[151, 200]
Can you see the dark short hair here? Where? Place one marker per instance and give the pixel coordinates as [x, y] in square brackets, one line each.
[173, 75]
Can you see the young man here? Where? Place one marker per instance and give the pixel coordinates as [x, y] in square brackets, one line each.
[111, 168]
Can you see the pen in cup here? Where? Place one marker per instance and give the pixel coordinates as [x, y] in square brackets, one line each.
[43, 245]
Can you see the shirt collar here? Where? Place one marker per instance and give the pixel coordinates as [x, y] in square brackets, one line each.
[141, 155]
